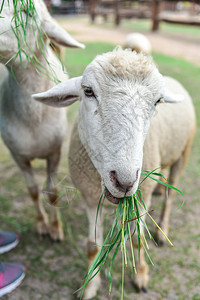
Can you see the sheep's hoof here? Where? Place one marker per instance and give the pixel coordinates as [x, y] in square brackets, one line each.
[140, 290]
[56, 232]
[88, 294]
[159, 242]
[140, 279]
[44, 236]
[43, 227]
[159, 238]
[91, 289]
[144, 290]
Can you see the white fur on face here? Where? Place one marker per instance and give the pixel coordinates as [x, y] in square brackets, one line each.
[114, 121]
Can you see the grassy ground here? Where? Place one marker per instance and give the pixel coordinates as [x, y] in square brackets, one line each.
[54, 271]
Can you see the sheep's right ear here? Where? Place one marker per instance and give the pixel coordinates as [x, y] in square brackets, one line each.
[170, 97]
[61, 95]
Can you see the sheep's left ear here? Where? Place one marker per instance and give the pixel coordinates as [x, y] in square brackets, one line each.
[59, 35]
[53, 30]
[61, 95]
[170, 97]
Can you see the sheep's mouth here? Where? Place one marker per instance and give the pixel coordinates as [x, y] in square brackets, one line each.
[111, 198]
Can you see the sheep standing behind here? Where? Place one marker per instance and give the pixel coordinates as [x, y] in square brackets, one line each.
[138, 42]
[122, 129]
[30, 129]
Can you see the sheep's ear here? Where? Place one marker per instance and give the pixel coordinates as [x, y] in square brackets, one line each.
[58, 35]
[61, 95]
[170, 97]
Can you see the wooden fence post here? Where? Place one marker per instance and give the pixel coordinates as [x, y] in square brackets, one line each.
[155, 14]
[92, 5]
[116, 10]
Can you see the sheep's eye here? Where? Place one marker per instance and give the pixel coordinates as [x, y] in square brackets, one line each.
[161, 100]
[88, 92]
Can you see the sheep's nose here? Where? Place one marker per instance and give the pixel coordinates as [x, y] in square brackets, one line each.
[122, 185]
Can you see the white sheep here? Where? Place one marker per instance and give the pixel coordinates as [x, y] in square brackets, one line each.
[138, 42]
[30, 129]
[122, 129]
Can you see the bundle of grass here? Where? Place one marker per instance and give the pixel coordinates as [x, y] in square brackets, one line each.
[128, 221]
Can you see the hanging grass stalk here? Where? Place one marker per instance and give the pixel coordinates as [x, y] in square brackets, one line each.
[128, 211]
[26, 18]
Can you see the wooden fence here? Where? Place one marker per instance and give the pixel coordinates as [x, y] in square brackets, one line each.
[157, 10]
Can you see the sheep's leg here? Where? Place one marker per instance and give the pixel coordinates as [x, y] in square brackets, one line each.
[175, 172]
[93, 248]
[42, 218]
[56, 228]
[141, 277]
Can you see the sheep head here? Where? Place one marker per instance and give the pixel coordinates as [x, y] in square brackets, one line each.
[35, 18]
[119, 92]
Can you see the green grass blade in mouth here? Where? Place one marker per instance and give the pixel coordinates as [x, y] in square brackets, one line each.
[166, 184]
[98, 207]
[147, 174]
[111, 266]
[160, 230]
[122, 294]
[130, 209]
[132, 252]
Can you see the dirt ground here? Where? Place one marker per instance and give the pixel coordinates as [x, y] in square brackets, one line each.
[178, 45]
